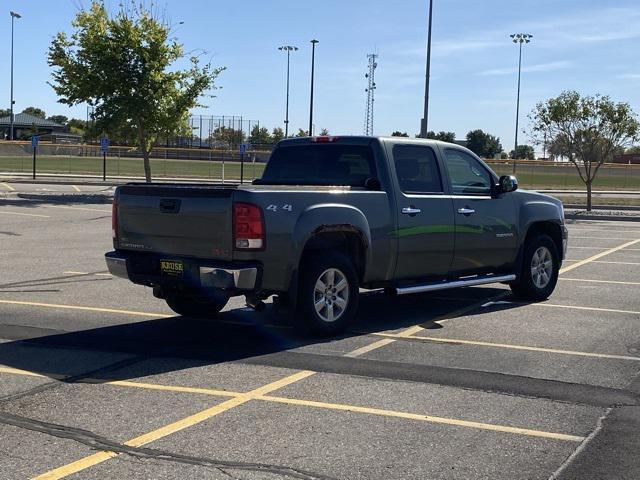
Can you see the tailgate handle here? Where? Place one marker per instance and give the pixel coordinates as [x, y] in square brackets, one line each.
[169, 205]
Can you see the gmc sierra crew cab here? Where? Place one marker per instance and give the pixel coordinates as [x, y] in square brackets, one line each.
[331, 216]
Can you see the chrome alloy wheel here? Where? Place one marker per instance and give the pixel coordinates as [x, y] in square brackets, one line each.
[331, 295]
[541, 267]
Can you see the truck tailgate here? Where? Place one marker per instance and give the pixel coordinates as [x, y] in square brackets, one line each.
[185, 220]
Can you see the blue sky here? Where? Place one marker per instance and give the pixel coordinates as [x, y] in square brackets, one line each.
[587, 45]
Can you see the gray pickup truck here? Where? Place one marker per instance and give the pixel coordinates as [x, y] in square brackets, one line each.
[331, 216]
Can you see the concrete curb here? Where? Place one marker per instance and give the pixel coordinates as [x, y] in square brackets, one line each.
[608, 218]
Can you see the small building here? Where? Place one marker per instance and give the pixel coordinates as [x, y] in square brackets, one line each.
[25, 125]
[627, 158]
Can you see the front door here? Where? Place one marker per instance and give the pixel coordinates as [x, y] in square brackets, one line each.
[485, 225]
[425, 214]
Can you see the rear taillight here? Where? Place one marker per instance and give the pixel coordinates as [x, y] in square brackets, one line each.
[248, 227]
[114, 217]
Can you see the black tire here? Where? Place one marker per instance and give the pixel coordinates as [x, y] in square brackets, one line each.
[197, 305]
[532, 286]
[340, 304]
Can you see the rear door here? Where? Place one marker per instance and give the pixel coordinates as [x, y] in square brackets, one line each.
[425, 232]
[485, 225]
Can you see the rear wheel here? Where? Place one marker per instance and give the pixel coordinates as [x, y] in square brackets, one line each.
[540, 269]
[198, 305]
[327, 293]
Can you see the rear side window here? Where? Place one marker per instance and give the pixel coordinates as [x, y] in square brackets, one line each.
[348, 165]
[417, 169]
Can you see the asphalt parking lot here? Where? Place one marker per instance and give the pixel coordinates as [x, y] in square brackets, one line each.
[98, 379]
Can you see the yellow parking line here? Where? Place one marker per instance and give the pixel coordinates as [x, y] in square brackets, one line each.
[617, 263]
[76, 188]
[174, 427]
[599, 281]
[73, 272]
[168, 388]
[254, 395]
[568, 268]
[86, 309]
[103, 274]
[24, 214]
[79, 208]
[601, 238]
[592, 309]
[514, 347]
[455, 314]
[425, 418]
[17, 371]
[9, 187]
[368, 348]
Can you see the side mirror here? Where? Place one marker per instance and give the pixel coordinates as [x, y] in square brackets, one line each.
[372, 183]
[507, 183]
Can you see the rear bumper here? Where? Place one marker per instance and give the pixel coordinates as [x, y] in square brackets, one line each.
[142, 269]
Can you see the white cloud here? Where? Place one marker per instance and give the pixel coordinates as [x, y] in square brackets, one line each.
[540, 67]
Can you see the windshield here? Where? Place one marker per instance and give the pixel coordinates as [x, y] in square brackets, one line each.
[348, 165]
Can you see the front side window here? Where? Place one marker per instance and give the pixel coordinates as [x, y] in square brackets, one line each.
[467, 175]
[417, 169]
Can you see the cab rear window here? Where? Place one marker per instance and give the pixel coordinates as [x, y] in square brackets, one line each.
[344, 165]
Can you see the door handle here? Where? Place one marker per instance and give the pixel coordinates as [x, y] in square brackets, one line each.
[466, 211]
[411, 210]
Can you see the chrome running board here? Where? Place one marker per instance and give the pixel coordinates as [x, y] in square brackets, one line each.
[430, 287]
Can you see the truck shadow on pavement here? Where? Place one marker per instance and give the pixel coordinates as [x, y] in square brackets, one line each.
[175, 343]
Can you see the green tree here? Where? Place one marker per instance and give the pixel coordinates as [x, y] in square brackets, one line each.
[483, 144]
[301, 133]
[77, 126]
[61, 119]
[585, 130]
[231, 136]
[35, 111]
[259, 135]
[324, 132]
[277, 134]
[635, 149]
[443, 136]
[398, 133]
[124, 65]
[4, 112]
[523, 151]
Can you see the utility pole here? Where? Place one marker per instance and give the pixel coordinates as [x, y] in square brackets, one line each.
[313, 61]
[425, 119]
[14, 15]
[518, 38]
[288, 49]
[371, 87]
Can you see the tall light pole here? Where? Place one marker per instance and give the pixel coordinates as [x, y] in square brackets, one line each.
[313, 61]
[14, 15]
[288, 49]
[518, 38]
[425, 118]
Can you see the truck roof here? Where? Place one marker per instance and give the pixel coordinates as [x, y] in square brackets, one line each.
[360, 140]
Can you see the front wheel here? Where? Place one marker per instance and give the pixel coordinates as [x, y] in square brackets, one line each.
[197, 305]
[327, 293]
[540, 269]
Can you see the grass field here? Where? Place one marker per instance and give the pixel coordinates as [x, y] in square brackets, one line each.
[130, 167]
[530, 175]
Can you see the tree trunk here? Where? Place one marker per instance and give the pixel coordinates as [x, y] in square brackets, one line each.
[588, 196]
[147, 166]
